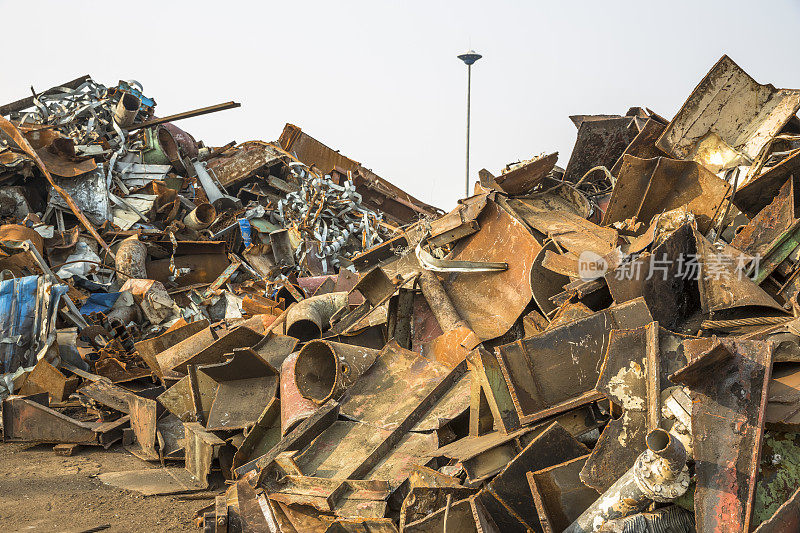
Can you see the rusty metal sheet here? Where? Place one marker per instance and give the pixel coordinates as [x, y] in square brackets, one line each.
[304, 518]
[58, 154]
[275, 348]
[178, 398]
[362, 525]
[757, 237]
[294, 407]
[491, 302]
[219, 350]
[424, 326]
[507, 498]
[728, 382]
[722, 288]
[485, 372]
[644, 144]
[243, 161]
[459, 518]
[148, 349]
[453, 403]
[524, 177]
[179, 352]
[421, 501]
[544, 282]
[451, 347]
[755, 195]
[405, 381]
[46, 378]
[623, 380]
[786, 518]
[648, 187]
[154, 481]
[600, 141]
[246, 384]
[144, 416]
[689, 275]
[375, 424]
[263, 466]
[557, 370]
[201, 448]
[728, 113]
[397, 465]
[571, 230]
[340, 450]
[783, 407]
[458, 223]
[635, 370]
[253, 512]
[108, 394]
[262, 437]
[344, 497]
[203, 261]
[30, 419]
[559, 494]
[486, 455]
[14, 136]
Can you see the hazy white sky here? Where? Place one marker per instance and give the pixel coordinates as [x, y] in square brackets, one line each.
[380, 80]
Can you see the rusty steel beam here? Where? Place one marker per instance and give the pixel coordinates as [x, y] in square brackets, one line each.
[729, 380]
[185, 114]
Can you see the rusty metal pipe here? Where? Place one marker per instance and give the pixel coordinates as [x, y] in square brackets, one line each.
[294, 407]
[200, 217]
[325, 369]
[307, 319]
[130, 259]
[658, 475]
[126, 110]
[213, 193]
[440, 303]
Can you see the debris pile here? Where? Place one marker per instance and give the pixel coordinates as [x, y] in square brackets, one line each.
[612, 346]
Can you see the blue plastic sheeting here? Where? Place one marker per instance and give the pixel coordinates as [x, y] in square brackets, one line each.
[244, 227]
[23, 319]
[99, 302]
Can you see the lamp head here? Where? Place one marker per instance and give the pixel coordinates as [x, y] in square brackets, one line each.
[470, 57]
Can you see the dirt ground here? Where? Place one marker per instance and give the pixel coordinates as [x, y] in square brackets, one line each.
[42, 491]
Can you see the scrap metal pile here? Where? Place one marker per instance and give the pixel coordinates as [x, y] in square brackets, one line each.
[612, 346]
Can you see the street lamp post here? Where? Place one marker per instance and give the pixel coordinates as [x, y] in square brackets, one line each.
[469, 58]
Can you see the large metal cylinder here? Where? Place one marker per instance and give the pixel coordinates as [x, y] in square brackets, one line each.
[130, 259]
[659, 474]
[294, 407]
[325, 369]
[307, 319]
[200, 217]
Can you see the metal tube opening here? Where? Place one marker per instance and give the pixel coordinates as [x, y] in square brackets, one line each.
[658, 441]
[315, 371]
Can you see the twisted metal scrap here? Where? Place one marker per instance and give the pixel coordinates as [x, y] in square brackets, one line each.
[85, 114]
[329, 213]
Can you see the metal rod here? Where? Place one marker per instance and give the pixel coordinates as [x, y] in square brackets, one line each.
[185, 114]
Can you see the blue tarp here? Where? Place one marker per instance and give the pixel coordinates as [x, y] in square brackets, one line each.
[20, 326]
[99, 302]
